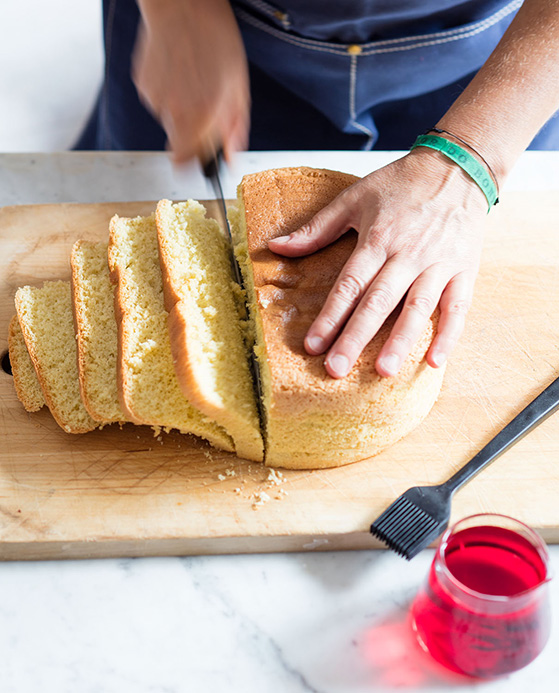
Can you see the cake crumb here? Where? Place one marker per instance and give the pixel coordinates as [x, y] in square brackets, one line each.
[221, 477]
[276, 478]
[260, 498]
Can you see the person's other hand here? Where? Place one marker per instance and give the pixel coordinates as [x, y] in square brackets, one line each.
[420, 222]
[190, 69]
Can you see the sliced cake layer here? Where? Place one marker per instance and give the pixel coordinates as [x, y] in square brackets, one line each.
[96, 331]
[47, 324]
[26, 384]
[209, 350]
[148, 386]
[313, 420]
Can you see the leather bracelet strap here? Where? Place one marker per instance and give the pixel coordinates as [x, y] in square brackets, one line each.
[467, 162]
[439, 131]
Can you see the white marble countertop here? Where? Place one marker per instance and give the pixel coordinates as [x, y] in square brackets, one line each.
[289, 623]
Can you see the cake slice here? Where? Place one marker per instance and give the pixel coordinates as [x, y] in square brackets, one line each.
[207, 341]
[148, 387]
[313, 420]
[26, 384]
[47, 324]
[96, 331]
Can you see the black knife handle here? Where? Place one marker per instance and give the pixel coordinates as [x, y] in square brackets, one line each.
[211, 167]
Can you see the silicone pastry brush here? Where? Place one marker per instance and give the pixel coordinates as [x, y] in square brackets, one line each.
[421, 514]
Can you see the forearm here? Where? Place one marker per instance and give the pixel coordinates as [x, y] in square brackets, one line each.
[515, 92]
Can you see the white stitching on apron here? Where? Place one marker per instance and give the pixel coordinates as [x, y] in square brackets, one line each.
[271, 11]
[389, 45]
[300, 43]
[467, 34]
[352, 114]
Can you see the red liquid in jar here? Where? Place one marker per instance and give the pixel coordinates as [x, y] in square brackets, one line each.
[484, 638]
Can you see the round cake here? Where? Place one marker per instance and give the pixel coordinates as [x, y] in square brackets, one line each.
[312, 420]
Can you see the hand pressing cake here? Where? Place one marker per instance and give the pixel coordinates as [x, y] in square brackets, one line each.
[313, 420]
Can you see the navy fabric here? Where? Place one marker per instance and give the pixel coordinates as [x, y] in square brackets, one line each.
[363, 21]
[119, 121]
[345, 82]
[324, 74]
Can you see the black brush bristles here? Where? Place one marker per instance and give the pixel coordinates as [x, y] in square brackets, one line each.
[414, 520]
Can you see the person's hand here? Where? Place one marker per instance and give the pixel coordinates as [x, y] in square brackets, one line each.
[190, 69]
[420, 222]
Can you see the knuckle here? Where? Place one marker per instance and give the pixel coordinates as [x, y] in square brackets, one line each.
[378, 301]
[350, 288]
[401, 338]
[354, 342]
[458, 307]
[422, 304]
[327, 323]
[310, 234]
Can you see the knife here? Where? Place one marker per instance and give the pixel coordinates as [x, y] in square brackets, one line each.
[211, 169]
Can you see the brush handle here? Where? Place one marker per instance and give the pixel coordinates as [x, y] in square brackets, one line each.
[531, 416]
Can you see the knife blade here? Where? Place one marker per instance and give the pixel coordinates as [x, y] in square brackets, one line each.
[211, 169]
[211, 172]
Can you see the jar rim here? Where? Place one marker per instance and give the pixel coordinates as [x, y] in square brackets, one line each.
[533, 536]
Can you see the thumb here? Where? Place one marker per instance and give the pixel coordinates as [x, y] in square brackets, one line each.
[324, 228]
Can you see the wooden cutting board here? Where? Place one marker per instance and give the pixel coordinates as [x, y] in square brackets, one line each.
[124, 492]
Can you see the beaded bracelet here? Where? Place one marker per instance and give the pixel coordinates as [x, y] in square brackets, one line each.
[468, 163]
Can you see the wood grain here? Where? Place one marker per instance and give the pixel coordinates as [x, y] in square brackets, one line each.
[124, 492]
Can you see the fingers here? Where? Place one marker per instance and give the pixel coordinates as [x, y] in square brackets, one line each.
[324, 228]
[455, 303]
[420, 303]
[376, 304]
[224, 126]
[427, 291]
[194, 81]
[350, 287]
[370, 307]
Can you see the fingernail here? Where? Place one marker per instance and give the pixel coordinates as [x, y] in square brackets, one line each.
[315, 344]
[391, 363]
[339, 364]
[438, 358]
[282, 240]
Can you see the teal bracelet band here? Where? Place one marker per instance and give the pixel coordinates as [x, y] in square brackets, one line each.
[465, 160]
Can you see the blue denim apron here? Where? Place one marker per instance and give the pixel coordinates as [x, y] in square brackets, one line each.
[350, 74]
